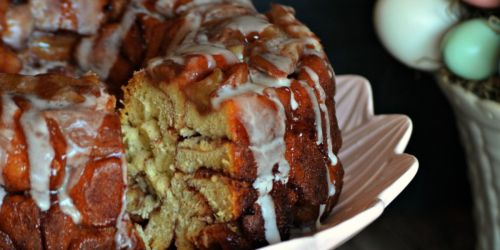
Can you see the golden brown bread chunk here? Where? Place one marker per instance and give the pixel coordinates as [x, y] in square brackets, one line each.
[62, 182]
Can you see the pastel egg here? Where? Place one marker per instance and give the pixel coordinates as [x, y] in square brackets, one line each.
[487, 4]
[412, 30]
[471, 50]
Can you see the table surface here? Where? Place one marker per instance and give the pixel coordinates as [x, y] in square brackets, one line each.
[435, 210]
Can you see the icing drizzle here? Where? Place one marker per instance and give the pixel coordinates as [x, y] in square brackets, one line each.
[2, 195]
[248, 24]
[82, 119]
[40, 154]
[265, 127]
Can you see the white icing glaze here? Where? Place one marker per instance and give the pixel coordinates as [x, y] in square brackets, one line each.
[65, 201]
[283, 165]
[317, 112]
[265, 127]
[2, 195]
[258, 83]
[9, 108]
[322, 208]
[313, 47]
[331, 187]
[122, 237]
[269, 215]
[40, 155]
[293, 103]
[258, 77]
[228, 92]
[331, 156]
[314, 77]
[248, 24]
[207, 50]
[19, 26]
[283, 63]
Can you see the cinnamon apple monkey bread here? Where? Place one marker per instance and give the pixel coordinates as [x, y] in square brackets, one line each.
[225, 134]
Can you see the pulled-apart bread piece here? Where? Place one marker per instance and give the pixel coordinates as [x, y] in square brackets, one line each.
[44, 33]
[62, 165]
[231, 136]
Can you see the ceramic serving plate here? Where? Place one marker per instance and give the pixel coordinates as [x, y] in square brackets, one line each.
[376, 169]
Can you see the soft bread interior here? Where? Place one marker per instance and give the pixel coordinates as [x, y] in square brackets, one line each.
[179, 163]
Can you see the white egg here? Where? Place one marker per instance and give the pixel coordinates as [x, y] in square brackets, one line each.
[412, 29]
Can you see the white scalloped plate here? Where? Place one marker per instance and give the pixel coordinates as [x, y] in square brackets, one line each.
[376, 169]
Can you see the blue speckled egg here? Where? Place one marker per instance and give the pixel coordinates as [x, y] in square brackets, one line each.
[471, 49]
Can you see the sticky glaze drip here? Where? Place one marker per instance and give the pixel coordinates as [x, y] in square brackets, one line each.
[293, 102]
[40, 155]
[314, 77]
[265, 127]
[122, 237]
[269, 215]
[317, 112]
[322, 208]
[65, 202]
[9, 108]
[248, 24]
[2, 195]
[283, 165]
[229, 92]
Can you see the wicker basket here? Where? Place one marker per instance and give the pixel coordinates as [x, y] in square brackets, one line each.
[479, 125]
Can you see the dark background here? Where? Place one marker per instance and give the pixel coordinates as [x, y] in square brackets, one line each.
[435, 210]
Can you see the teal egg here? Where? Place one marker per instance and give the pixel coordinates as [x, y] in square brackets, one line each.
[471, 49]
